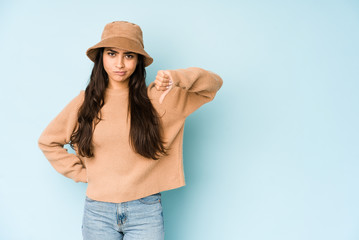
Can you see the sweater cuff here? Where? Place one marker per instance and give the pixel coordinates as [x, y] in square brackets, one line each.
[81, 177]
[184, 78]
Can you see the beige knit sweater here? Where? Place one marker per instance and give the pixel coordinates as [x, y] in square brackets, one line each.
[116, 173]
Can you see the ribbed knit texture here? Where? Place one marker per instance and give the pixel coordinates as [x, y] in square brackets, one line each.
[116, 173]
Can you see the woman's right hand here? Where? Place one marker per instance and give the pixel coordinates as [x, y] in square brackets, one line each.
[163, 80]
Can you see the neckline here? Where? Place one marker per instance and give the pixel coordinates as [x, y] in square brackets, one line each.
[119, 91]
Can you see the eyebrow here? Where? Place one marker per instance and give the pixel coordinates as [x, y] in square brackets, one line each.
[117, 52]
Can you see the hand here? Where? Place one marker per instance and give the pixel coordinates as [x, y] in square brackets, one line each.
[163, 80]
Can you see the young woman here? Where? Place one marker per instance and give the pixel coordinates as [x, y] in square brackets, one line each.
[127, 136]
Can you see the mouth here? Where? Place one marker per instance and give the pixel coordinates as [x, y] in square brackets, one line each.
[121, 73]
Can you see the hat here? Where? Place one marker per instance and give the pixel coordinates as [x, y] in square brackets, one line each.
[124, 35]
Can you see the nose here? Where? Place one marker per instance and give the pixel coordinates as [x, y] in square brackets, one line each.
[120, 63]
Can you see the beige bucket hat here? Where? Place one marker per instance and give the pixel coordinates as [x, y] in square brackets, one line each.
[124, 35]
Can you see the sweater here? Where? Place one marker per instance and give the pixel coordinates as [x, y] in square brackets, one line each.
[117, 173]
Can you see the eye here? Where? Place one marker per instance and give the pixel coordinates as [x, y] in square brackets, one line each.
[130, 56]
[109, 53]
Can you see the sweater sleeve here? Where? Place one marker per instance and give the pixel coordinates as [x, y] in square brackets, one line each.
[56, 135]
[192, 87]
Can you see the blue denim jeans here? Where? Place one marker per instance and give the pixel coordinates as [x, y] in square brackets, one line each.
[133, 220]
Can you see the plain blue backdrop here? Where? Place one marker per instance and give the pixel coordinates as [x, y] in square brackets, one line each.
[274, 156]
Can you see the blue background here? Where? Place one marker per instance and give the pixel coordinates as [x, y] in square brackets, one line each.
[274, 156]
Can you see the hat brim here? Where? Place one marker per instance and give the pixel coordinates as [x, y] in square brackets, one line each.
[120, 42]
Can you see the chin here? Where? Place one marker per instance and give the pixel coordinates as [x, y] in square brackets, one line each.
[119, 78]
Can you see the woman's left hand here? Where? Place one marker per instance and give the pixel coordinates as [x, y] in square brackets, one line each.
[163, 80]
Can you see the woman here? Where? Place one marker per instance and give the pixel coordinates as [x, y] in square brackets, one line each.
[127, 137]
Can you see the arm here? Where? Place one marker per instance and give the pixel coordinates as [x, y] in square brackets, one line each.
[188, 88]
[56, 135]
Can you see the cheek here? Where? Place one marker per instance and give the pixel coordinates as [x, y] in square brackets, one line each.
[132, 65]
[106, 64]
[135, 63]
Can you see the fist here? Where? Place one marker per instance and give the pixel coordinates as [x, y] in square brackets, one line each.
[163, 80]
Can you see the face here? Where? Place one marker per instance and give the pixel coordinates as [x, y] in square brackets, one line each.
[119, 64]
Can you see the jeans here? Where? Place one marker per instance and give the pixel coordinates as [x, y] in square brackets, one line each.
[133, 220]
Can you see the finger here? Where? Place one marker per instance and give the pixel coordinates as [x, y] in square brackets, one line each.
[161, 73]
[168, 74]
[165, 80]
[162, 82]
[160, 87]
[164, 74]
[161, 79]
[163, 95]
[158, 83]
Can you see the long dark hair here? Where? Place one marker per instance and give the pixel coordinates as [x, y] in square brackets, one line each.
[145, 129]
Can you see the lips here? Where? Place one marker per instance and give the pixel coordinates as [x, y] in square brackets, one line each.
[120, 72]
